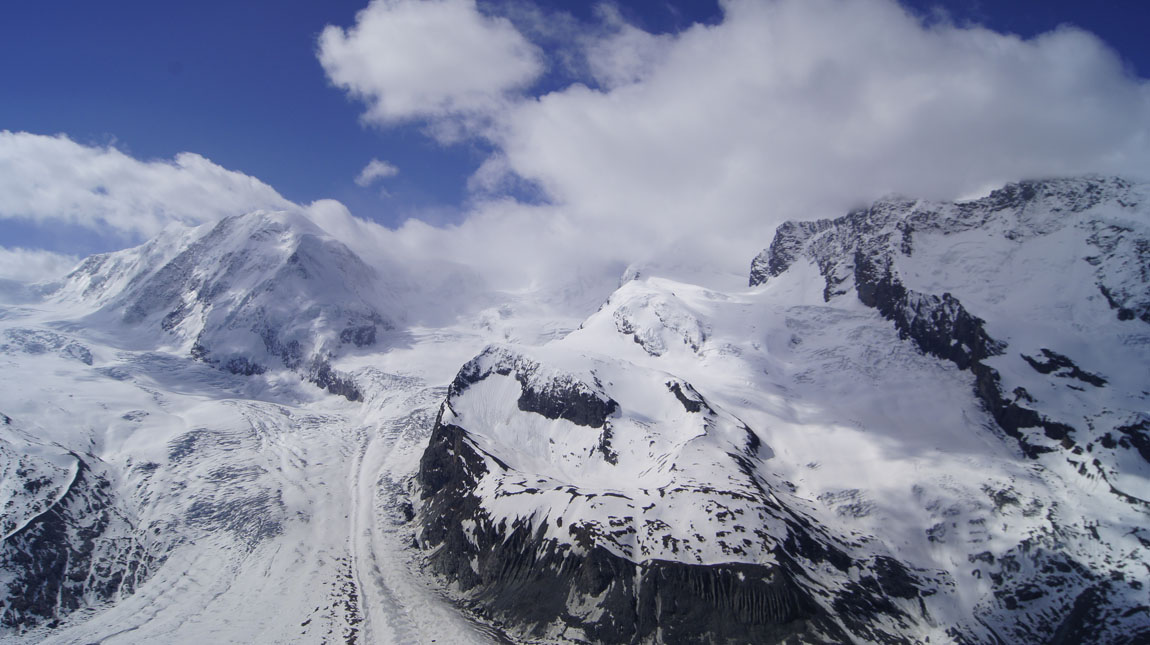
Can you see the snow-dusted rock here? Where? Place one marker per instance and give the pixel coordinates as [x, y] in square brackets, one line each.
[247, 294]
[582, 497]
[1025, 259]
[1041, 291]
[66, 543]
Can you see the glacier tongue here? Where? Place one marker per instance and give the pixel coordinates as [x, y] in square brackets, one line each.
[158, 499]
[153, 493]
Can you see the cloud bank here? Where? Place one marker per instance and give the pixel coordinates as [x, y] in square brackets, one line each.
[682, 151]
[786, 109]
[55, 180]
[34, 265]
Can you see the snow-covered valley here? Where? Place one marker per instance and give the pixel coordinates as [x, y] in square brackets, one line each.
[920, 422]
[206, 511]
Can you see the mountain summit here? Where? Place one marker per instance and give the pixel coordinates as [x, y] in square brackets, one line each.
[247, 294]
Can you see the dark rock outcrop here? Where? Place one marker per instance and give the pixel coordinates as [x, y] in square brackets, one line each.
[862, 249]
[518, 577]
[539, 576]
[323, 375]
[555, 397]
[67, 557]
[1062, 367]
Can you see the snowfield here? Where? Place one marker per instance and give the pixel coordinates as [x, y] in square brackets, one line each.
[920, 421]
[225, 512]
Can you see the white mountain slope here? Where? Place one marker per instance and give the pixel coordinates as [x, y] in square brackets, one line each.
[248, 294]
[921, 421]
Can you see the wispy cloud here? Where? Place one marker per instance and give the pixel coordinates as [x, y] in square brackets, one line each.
[374, 171]
[34, 265]
[56, 180]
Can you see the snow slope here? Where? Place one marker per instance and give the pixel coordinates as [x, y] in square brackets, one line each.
[247, 294]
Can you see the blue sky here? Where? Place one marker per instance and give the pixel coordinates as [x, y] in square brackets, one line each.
[240, 83]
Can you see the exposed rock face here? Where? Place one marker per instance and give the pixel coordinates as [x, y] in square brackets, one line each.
[866, 248]
[81, 534]
[322, 374]
[1107, 213]
[788, 245]
[990, 286]
[517, 575]
[71, 548]
[561, 511]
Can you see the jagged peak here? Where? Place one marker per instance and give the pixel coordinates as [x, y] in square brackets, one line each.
[1078, 193]
[1031, 207]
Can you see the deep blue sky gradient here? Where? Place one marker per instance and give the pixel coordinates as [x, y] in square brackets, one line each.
[239, 82]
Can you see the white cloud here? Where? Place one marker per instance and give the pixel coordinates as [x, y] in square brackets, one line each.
[374, 171]
[804, 108]
[433, 59]
[686, 150]
[56, 180]
[623, 54]
[34, 265]
[709, 138]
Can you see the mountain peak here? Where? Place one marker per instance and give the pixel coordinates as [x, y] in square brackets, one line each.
[253, 292]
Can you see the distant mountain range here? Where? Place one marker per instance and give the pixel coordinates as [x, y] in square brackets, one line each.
[919, 422]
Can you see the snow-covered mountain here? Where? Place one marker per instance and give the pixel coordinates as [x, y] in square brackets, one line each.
[921, 422]
[599, 500]
[1037, 289]
[249, 293]
[172, 469]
